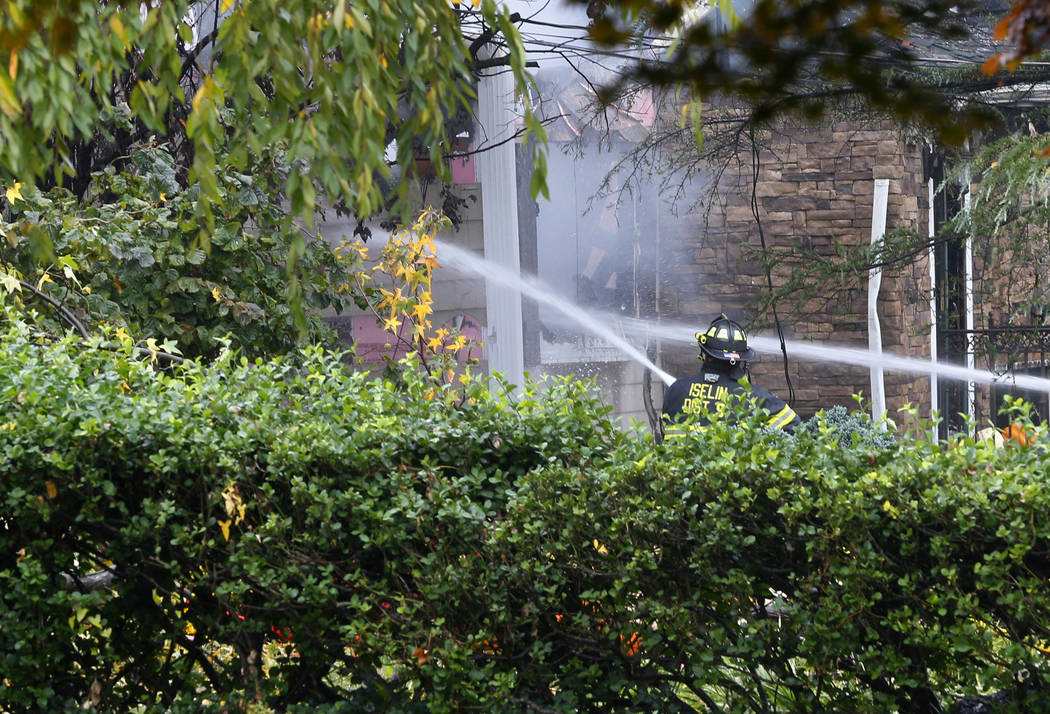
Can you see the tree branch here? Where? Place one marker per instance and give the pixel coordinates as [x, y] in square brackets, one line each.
[61, 309]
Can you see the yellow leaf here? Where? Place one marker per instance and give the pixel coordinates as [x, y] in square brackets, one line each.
[8, 99]
[434, 343]
[224, 526]
[420, 311]
[52, 489]
[119, 30]
[226, 5]
[45, 278]
[427, 241]
[15, 192]
[207, 89]
[12, 64]
[122, 334]
[151, 345]
[600, 548]
[392, 323]
[233, 502]
[215, 294]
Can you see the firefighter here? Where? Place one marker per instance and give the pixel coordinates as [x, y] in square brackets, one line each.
[725, 354]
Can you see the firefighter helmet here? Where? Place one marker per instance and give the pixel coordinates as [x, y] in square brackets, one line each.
[725, 340]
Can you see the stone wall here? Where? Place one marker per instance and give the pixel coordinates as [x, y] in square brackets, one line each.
[815, 188]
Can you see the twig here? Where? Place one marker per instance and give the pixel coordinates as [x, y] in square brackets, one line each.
[59, 307]
[115, 347]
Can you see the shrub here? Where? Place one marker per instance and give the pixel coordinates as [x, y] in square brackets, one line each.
[129, 254]
[296, 537]
[273, 529]
[852, 429]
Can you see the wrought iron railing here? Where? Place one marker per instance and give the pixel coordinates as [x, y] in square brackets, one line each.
[1005, 350]
[1001, 348]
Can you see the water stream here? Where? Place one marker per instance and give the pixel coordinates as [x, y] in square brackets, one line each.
[610, 327]
[855, 356]
[595, 323]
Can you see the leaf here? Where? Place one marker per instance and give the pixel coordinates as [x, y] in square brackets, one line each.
[9, 103]
[10, 282]
[538, 183]
[117, 25]
[224, 526]
[14, 193]
[171, 347]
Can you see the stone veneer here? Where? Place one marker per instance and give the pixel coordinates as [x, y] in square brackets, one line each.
[815, 187]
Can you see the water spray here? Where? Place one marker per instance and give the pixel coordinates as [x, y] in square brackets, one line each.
[597, 324]
[839, 354]
[601, 325]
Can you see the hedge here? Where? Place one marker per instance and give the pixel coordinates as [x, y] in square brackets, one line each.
[291, 536]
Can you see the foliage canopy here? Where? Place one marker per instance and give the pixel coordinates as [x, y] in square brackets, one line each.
[804, 57]
[330, 86]
[297, 537]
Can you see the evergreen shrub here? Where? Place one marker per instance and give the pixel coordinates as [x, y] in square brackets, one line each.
[853, 429]
[291, 536]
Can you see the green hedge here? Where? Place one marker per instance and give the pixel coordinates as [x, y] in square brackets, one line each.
[294, 537]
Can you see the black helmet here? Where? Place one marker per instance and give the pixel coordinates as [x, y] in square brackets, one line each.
[725, 340]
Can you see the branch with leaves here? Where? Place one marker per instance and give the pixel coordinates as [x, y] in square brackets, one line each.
[403, 304]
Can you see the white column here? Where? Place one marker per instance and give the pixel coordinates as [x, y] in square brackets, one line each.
[496, 170]
[934, 385]
[878, 230]
[971, 363]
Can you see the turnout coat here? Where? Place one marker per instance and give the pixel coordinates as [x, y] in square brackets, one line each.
[707, 393]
